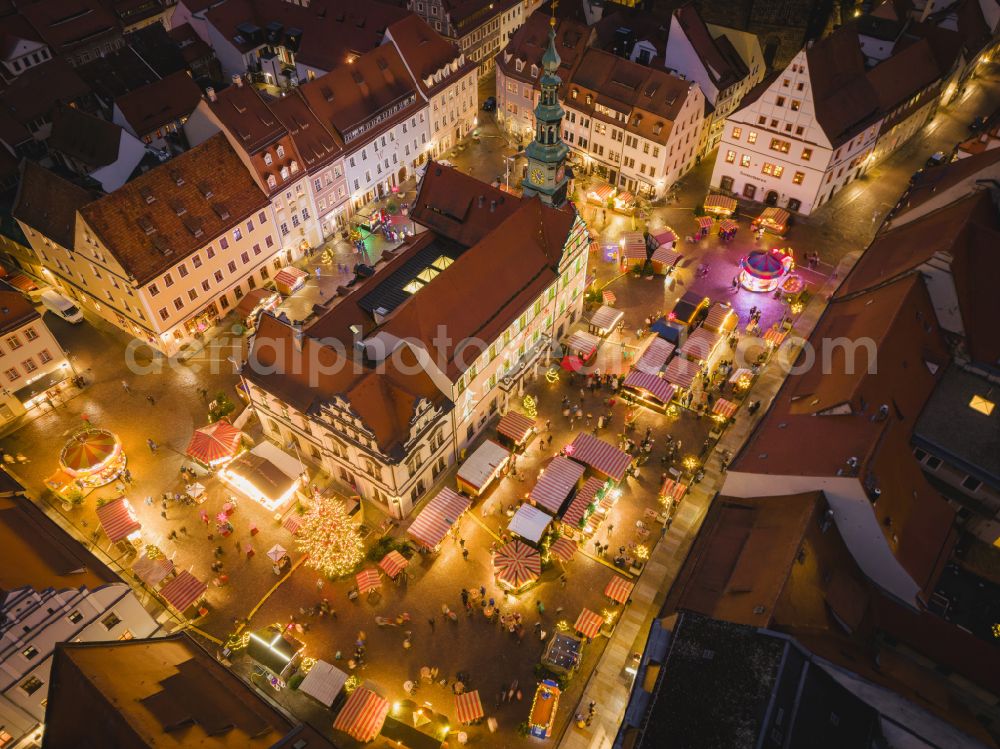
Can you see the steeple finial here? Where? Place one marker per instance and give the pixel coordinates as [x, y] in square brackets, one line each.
[552, 20]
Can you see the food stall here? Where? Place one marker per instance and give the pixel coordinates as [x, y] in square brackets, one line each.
[727, 228]
[665, 237]
[763, 270]
[619, 589]
[515, 429]
[276, 651]
[702, 345]
[656, 355]
[624, 202]
[437, 518]
[773, 220]
[516, 566]
[576, 519]
[91, 458]
[632, 250]
[468, 707]
[588, 624]
[664, 259]
[290, 279]
[363, 715]
[118, 521]
[266, 475]
[649, 390]
[529, 523]
[254, 302]
[543, 709]
[323, 683]
[720, 205]
[487, 462]
[582, 345]
[681, 373]
[183, 592]
[721, 318]
[601, 457]
[555, 483]
[605, 320]
[704, 226]
[214, 444]
[600, 194]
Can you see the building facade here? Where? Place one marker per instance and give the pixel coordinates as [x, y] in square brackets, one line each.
[481, 28]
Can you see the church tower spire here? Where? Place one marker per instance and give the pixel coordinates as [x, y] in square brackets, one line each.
[546, 154]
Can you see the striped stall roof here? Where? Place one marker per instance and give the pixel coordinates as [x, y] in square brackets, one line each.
[582, 343]
[118, 519]
[728, 225]
[705, 222]
[720, 316]
[152, 571]
[363, 715]
[368, 580]
[289, 275]
[664, 236]
[606, 318]
[588, 624]
[554, 486]
[563, 548]
[681, 372]
[655, 355]
[292, 523]
[701, 344]
[393, 563]
[437, 518]
[468, 706]
[634, 247]
[600, 456]
[584, 498]
[720, 202]
[515, 426]
[609, 296]
[724, 408]
[673, 489]
[516, 564]
[618, 589]
[666, 256]
[183, 591]
[656, 386]
[775, 337]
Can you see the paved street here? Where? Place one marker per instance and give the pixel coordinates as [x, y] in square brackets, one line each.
[492, 657]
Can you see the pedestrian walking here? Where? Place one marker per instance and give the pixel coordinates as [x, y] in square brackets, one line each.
[126, 388]
[184, 530]
[431, 622]
[152, 445]
[151, 400]
[163, 514]
[465, 554]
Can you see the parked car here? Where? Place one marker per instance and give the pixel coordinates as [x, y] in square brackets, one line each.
[935, 159]
[490, 104]
[60, 306]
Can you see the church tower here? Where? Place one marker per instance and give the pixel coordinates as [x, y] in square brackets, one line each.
[546, 176]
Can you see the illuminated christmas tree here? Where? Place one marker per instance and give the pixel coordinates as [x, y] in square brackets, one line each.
[330, 539]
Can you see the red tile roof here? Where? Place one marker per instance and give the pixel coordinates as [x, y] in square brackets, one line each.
[314, 143]
[159, 103]
[66, 24]
[91, 140]
[843, 97]
[426, 52]
[529, 43]
[15, 309]
[37, 92]
[209, 187]
[724, 70]
[48, 203]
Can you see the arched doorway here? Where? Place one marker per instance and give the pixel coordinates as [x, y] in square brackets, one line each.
[771, 198]
[402, 175]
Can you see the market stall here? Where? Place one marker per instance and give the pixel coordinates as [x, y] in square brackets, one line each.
[362, 715]
[588, 624]
[672, 491]
[774, 336]
[290, 279]
[664, 259]
[118, 520]
[721, 318]
[277, 651]
[741, 378]
[681, 372]
[214, 444]
[516, 566]
[619, 589]
[515, 429]
[656, 355]
[704, 226]
[562, 653]
[543, 709]
[265, 474]
[601, 457]
[583, 345]
[584, 504]
[701, 345]
[720, 205]
[183, 591]
[763, 270]
[529, 523]
[600, 194]
[152, 571]
[487, 462]
[393, 564]
[650, 390]
[92, 458]
[323, 683]
[468, 707]
[665, 237]
[728, 228]
[555, 483]
[609, 297]
[434, 521]
[368, 581]
[280, 560]
[254, 302]
[632, 250]
[563, 549]
[773, 220]
[724, 409]
[624, 202]
[605, 320]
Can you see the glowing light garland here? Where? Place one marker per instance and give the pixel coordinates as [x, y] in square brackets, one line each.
[330, 539]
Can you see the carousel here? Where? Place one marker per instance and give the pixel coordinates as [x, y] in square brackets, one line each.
[762, 271]
[92, 458]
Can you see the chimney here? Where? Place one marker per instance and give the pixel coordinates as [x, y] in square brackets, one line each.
[237, 80]
[210, 93]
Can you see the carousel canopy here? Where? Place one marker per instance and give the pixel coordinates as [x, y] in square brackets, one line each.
[761, 264]
[88, 451]
[517, 564]
[214, 442]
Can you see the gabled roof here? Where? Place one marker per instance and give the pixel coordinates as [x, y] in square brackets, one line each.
[66, 24]
[530, 41]
[91, 140]
[39, 90]
[314, 143]
[159, 103]
[116, 73]
[175, 209]
[843, 97]
[48, 203]
[15, 309]
[724, 70]
[426, 52]
[904, 74]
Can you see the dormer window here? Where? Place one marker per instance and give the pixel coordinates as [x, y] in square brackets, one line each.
[534, 71]
[590, 99]
[519, 65]
[295, 167]
[574, 93]
[271, 181]
[267, 158]
[281, 152]
[284, 172]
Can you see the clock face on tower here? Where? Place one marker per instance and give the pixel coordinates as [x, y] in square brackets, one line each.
[537, 176]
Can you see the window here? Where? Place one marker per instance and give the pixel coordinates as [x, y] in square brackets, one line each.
[779, 145]
[218, 276]
[785, 83]
[971, 483]
[210, 252]
[798, 178]
[261, 218]
[256, 249]
[245, 257]
[807, 154]
[182, 269]
[12, 374]
[796, 105]
[178, 304]
[30, 334]
[730, 157]
[164, 314]
[206, 285]
[224, 243]
[237, 234]
[192, 294]
[32, 684]
[153, 289]
[30, 652]
[781, 101]
[745, 160]
[269, 241]
[14, 342]
[44, 356]
[29, 365]
[111, 621]
[751, 137]
[75, 617]
[232, 266]
[168, 280]
[761, 120]
[737, 133]
[932, 462]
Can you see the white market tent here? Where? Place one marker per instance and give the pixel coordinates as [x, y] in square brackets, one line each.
[482, 467]
[529, 523]
[323, 682]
